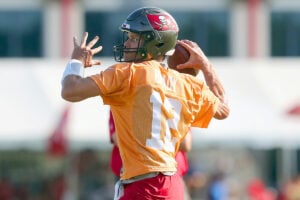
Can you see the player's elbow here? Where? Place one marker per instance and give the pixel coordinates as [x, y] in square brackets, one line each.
[71, 89]
[222, 112]
[70, 95]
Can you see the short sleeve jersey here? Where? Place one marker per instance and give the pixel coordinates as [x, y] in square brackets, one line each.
[153, 109]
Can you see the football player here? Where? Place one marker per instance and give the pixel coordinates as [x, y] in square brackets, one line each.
[153, 106]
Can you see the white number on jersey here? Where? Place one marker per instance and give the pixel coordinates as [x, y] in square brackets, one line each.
[173, 108]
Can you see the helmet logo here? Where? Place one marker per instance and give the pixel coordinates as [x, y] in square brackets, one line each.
[125, 26]
[162, 22]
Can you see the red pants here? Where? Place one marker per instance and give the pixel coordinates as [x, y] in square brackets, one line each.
[160, 187]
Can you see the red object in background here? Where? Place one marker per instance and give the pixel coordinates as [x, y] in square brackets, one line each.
[59, 187]
[257, 190]
[295, 110]
[66, 27]
[252, 27]
[6, 189]
[115, 159]
[57, 143]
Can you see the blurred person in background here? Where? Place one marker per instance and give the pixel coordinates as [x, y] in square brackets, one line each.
[196, 182]
[257, 190]
[115, 157]
[217, 188]
[291, 191]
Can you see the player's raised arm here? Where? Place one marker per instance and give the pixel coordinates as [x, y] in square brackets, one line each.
[198, 60]
[74, 86]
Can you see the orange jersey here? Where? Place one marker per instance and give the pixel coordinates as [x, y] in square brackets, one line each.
[153, 108]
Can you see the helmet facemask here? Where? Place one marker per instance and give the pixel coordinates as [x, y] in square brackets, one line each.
[140, 51]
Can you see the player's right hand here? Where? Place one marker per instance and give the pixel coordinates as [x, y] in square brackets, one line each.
[197, 59]
[85, 52]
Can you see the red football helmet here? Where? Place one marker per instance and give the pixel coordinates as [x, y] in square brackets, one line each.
[158, 29]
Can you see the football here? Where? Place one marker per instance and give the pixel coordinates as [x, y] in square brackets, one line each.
[180, 56]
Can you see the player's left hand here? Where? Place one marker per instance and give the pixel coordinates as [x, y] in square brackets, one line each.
[85, 52]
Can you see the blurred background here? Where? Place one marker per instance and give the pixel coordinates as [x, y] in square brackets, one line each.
[50, 149]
